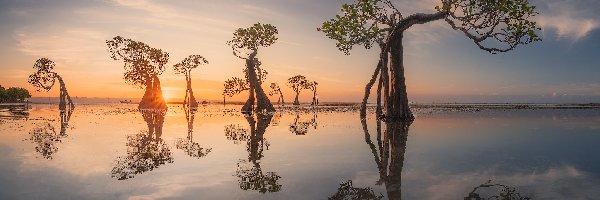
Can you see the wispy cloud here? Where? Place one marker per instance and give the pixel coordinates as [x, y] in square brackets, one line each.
[571, 20]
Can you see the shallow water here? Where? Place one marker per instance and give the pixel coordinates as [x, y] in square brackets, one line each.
[114, 151]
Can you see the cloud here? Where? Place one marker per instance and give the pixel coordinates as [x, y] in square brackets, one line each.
[572, 20]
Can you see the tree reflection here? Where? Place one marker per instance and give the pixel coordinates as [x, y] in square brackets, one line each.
[250, 174]
[145, 150]
[300, 127]
[347, 191]
[489, 190]
[389, 154]
[188, 145]
[46, 138]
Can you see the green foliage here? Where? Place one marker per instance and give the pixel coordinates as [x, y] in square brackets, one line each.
[43, 78]
[506, 22]
[189, 63]
[141, 61]
[13, 94]
[494, 25]
[252, 37]
[359, 24]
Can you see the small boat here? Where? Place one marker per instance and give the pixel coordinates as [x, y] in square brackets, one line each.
[125, 101]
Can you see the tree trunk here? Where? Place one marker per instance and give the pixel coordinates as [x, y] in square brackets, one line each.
[153, 98]
[398, 109]
[296, 102]
[64, 96]
[363, 105]
[263, 104]
[192, 100]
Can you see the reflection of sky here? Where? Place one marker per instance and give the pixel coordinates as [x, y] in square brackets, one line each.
[543, 153]
[441, 64]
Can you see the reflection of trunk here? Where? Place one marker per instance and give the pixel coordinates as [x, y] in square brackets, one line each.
[251, 177]
[398, 103]
[257, 131]
[189, 100]
[65, 116]
[64, 95]
[153, 98]
[263, 104]
[390, 158]
[146, 151]
[188, 145]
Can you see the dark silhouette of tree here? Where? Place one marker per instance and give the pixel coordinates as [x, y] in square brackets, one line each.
[298, 83]
[389, 154]
[44, 78]
[45, 137]
[494, 26]
[188, 145]
[185, 67]
[235, 85]
[275, 89]
[13, 94]
[489, 190]
[313, 87]
[347, 191]
[142, 65]
[146, 150]
[250, 39]
[250, 174]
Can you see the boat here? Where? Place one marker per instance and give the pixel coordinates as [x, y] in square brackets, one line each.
[125, 101]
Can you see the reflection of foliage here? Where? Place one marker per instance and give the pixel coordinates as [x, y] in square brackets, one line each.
[498, 191]
[236, 133]
[144, 153]
[250, 174]
[188, 145]
[299, 127]
[252, 178]
[346, 191]
[145, 150]
[45, 137]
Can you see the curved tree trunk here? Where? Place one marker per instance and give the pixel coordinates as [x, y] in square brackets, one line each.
[64, 96]
[398, 109]
[153, 98]
[191, 99]
[263, 104]
[363, 105]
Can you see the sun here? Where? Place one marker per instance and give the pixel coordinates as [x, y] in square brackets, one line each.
[168, 96]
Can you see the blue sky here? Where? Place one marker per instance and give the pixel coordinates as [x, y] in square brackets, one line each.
[441, 64]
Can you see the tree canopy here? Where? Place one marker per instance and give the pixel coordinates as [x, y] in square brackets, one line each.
[13, 94]
[141, 61]
[258, 35]
[189, 63]
[43, 78]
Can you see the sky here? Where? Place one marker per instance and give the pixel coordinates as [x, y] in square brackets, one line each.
[441, 64]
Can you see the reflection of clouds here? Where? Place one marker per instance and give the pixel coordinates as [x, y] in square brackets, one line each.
[561, 182]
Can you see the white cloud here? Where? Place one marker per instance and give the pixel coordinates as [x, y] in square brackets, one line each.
[572, 20]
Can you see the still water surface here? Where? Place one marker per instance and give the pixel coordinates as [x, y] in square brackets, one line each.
[114, 151]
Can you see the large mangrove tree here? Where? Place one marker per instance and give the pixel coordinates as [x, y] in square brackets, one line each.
[493, 25]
